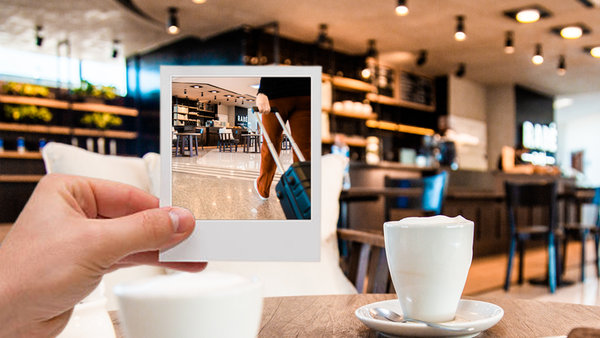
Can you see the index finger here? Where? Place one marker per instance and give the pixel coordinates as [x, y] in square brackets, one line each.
[108, 199]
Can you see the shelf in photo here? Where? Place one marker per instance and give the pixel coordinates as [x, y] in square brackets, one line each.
[20, 178]
[59, 104]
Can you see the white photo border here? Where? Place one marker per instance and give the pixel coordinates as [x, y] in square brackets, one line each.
[245, 240]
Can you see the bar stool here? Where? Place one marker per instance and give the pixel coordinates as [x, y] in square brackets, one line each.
[532, 195]
[192, 143]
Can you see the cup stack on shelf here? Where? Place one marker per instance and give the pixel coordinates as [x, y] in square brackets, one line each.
[348, 107]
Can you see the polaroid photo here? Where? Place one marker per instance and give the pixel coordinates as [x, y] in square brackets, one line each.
[216, 158]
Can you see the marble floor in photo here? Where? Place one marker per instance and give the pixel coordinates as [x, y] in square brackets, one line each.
[220, 185]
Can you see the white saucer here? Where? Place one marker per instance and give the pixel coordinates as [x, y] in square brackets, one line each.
[470, 313]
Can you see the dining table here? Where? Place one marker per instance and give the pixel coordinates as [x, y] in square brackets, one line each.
[334, 316]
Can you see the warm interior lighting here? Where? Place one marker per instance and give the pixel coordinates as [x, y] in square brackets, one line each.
[460, 29]
[562, 68]
[528, 16]
[509, 47]
[595, 52]
[402, 9]
[538, 59]
[172, 25]
[366, 73]
[198, 1]
[571, 32]
[399, 127]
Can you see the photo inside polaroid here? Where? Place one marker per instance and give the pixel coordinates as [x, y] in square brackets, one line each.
[245, 154]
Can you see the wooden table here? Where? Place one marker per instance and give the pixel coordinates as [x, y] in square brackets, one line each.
[333, 316]
[192, 139]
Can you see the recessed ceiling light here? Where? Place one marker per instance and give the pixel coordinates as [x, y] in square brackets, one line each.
[198, 1]
[571, 32]
[528, 16]
[595, 52]
[196, 86]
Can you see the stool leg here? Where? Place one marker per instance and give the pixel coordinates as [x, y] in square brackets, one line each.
[196, 139]
[511, 256]
[177, 145]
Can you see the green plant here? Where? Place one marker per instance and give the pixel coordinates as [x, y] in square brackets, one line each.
[101, 120]
[88, 89]
[27, 112]
[25, 89]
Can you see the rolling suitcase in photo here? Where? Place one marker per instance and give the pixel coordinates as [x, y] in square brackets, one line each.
[293, 188]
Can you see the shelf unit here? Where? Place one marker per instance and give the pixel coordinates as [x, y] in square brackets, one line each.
[20, 178]
[59, 104]
[58, 130]
[372, 116]
[390, 101]
[352, 141]
[348, 84]
[30, 155]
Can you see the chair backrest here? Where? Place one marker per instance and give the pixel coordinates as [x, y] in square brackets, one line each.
[432, 200]
[542, 194]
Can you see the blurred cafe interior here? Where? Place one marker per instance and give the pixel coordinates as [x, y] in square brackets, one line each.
[449, 100]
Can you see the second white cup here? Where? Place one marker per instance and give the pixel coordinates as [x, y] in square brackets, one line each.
[207, 304]
[429, 260]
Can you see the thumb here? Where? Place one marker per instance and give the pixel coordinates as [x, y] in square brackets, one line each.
[148, 230]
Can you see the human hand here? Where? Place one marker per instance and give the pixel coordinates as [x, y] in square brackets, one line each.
[262, 102]
[72, 231]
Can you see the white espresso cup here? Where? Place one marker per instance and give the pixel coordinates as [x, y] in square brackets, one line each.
[207, 304]
[429, 260]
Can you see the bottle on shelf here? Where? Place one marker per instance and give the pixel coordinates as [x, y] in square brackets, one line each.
[89, 143]
[1, 145]
[21, 145]
[340, 147]
[112, 146]
[42, 143]
[101, 145]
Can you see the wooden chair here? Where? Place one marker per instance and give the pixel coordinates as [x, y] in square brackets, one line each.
[579, 230]
[532, 195]
[365, 263]
[430, 203]
[226, 140]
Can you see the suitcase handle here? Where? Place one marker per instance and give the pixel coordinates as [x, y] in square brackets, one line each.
[286, 132]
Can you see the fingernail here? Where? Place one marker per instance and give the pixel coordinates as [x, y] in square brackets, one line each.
[176, 216]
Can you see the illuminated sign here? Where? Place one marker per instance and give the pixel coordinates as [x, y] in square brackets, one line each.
[541, 139]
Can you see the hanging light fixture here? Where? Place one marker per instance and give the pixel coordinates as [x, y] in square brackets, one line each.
[460, 28]
[172, 23]
[322, 38]
[538, 59]
[115, 51]
[462, 69]
[422, 59]
[509, 47]
[370, 60]
[401, 9]
[562, 67]
[39, 36]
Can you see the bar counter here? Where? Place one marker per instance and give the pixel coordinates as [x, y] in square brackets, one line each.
[475, 195]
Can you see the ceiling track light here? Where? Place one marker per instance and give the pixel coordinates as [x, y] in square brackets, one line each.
[115, 51]
[323, 39]
[538, 59]
[460, 35]
[172, 23]
[509, 46]
[402, 9]
[462, 69]
[422, 59]
[562, 67]
[39, 36]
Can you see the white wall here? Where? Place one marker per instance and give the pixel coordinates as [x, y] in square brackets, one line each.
[467, 116]
[581, 134]
[501, 109]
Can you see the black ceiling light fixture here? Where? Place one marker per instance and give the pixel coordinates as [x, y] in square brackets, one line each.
[115, 51]
[402, 9]
[509, 46]
[422, 59]
[172, 22]
[462, 69]
[323, 39]
[528, 14]
[572, 31]
[184, 91]
[460, 34]
[537, 58]
[562, 66]
[39, 35]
